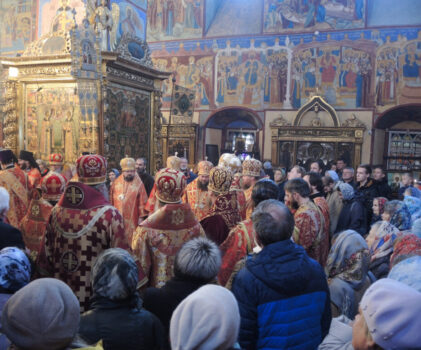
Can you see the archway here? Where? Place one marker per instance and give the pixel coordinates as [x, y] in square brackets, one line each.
[397, 141]
[232, 129]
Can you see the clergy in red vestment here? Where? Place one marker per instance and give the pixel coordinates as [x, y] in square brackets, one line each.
[35, 221]
[129, 196]
[233, 163]
[241, 239]
[196, 193]
[28, 164]
[173, 162]
[81, 226]
[315, 182]
[16, 182]
[310, 231]
[251, 174]
[224, 214]
[158, 239]
[56, 161]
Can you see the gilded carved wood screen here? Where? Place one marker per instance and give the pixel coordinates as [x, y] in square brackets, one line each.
[316, 133]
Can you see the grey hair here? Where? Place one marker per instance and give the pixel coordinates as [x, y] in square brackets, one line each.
[270, 228]
[102, 188]
[198, 259]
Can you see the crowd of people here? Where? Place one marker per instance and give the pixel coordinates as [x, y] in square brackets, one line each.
[236, 255]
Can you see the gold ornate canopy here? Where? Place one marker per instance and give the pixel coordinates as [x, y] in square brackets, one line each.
[67, 95]
[316, 133]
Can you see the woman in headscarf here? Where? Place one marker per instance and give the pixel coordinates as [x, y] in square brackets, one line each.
[378, 209]
[414, 206]
[346, 269]
[117, 316]
[15, 273]
[397, 213]
[408, 271]
[380, 242]
[405, 247]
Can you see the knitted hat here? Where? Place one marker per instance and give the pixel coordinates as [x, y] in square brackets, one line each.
[207, 319]
[391, 310]
[333, 175]
[42, 315]
[346, 190]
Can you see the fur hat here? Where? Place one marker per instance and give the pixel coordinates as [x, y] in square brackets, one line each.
[42, 315]
[391, 311]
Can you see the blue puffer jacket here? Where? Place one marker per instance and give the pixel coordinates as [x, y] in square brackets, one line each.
[283, 298]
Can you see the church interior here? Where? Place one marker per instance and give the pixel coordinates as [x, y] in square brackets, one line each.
[288, 81]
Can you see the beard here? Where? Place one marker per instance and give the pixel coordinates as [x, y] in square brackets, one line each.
[294, 205]
[202, 186]
[129, 178]
[140, 171]
[246, 186]
[23, 166]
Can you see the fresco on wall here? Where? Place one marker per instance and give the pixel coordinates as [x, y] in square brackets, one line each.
[140, 3]
[341, 74]
[353, 69]
[251, 78]
[192, 72]
[174, 19]
[393, 13]
[51, 10]
[299, 15]
[16, 23]
[131, 20]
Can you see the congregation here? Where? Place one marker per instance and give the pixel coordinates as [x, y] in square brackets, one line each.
[236, 255]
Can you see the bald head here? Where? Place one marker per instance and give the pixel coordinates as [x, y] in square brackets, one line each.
[272, 221]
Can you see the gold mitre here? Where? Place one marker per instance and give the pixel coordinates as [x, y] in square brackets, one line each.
[230, 161]
[204, 167]
[127, 164]
[173, 162]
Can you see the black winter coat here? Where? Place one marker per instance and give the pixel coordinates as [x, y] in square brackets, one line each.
[121, 325]
[352, 217]
[383, 189]
[163, 301]
[367, 193]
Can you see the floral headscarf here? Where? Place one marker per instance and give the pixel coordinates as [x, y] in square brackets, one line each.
[15, 269]
[414, 206]
[383, 235]
[399, 215]
[408, 271]
[348, 258]
[381, 201]
[405, 247]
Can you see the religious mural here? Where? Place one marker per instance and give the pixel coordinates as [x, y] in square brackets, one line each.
[302, 15]
[175, 19]
[53, 122]
[52, 12]
[131, 19]
[192, 72]
[16, 24]
[127, 124]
